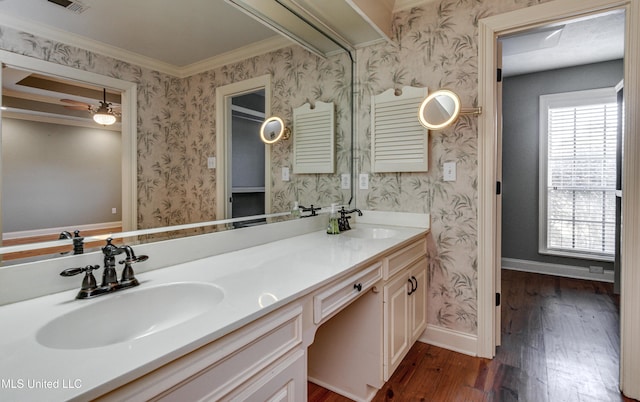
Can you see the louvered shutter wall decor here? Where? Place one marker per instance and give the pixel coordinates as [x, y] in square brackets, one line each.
[314, 138]
[399, 143]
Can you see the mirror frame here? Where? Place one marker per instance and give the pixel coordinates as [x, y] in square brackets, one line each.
[129, 136]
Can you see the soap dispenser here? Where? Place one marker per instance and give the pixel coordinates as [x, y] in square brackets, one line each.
[334, 227]
[295, 211]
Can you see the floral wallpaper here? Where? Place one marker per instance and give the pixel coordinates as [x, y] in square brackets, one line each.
[434, 46]
[177, 127]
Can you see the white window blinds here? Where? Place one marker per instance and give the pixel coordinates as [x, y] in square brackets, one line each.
[578, 186]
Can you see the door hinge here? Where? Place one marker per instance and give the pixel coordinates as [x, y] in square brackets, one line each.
[498, 188]
[499, 75]
[497, 299]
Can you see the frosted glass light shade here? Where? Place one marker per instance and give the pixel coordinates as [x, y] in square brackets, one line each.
[104, 119]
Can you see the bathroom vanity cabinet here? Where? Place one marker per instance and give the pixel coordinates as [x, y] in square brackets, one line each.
[357, 351]
[348, 336]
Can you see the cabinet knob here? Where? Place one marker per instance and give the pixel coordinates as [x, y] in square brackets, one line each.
[358, 287]
[411, 289]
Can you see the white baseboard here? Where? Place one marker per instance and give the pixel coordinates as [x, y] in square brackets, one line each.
[49, 231]
[450, 339]
[568, 271]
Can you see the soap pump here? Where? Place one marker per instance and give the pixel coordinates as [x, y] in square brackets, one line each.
[334, 227]
[295, 211]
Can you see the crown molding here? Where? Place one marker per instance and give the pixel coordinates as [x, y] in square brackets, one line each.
[264, 46]
[95, 46]
[51, 33]
[51, 118]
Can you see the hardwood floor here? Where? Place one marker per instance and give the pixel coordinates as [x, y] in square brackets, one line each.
[560, 342]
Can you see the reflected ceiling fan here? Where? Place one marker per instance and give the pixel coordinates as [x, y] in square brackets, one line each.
[105, 114]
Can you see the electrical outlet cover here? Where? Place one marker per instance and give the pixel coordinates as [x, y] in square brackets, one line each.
[211, 162]
[449, 171]
[345, 182]
[363, 179]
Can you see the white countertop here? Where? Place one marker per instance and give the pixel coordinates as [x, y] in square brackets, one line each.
[284, 270]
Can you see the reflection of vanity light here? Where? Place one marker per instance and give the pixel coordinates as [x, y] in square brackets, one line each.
[273, 130]
[267, 299]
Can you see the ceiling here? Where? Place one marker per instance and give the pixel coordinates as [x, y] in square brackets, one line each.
[177, 33]
[577, 42]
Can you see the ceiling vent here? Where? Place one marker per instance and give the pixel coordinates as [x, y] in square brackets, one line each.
[75, 6]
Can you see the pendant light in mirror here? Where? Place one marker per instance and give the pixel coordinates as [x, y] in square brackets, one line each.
[104, 114]
[441, 108]
[274, 130]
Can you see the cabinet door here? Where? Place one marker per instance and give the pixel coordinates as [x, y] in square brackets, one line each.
[284, 382]
[396, 323]
[418, 300]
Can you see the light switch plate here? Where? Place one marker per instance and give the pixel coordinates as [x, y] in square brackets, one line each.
[449, 171]
[211, 162]
[345, 182]
[285, 174]
[363, 180]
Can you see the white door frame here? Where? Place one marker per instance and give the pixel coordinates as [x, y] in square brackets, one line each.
[489, 29]
[223, 127]
[129, 133]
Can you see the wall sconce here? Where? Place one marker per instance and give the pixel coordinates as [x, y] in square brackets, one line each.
[274, 130]
[441, 108]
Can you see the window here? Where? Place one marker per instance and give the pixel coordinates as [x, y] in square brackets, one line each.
[578, 173]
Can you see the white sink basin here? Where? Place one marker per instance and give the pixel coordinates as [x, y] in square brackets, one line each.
[129, 315]
[370, 233]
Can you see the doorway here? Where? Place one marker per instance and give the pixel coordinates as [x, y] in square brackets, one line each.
[127, 149]
[257, 91]
[489, 30]
[559, 129]
[247, 162]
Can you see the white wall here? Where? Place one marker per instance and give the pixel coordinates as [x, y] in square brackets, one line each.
[58, 176]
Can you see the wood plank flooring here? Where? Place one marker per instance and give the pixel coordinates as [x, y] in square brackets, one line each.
[560, 342]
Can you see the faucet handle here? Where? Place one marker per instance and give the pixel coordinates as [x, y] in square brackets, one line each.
[76, 271]
[89, 282]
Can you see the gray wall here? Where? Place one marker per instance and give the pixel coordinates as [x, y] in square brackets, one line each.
[58, 176]
[520, 152]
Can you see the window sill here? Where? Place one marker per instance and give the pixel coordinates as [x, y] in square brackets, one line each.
[582, 256]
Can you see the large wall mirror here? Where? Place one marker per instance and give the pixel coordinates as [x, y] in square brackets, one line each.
[162, 145]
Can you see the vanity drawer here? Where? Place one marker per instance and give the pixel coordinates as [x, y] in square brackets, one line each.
[336, 297]
[401, 259]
